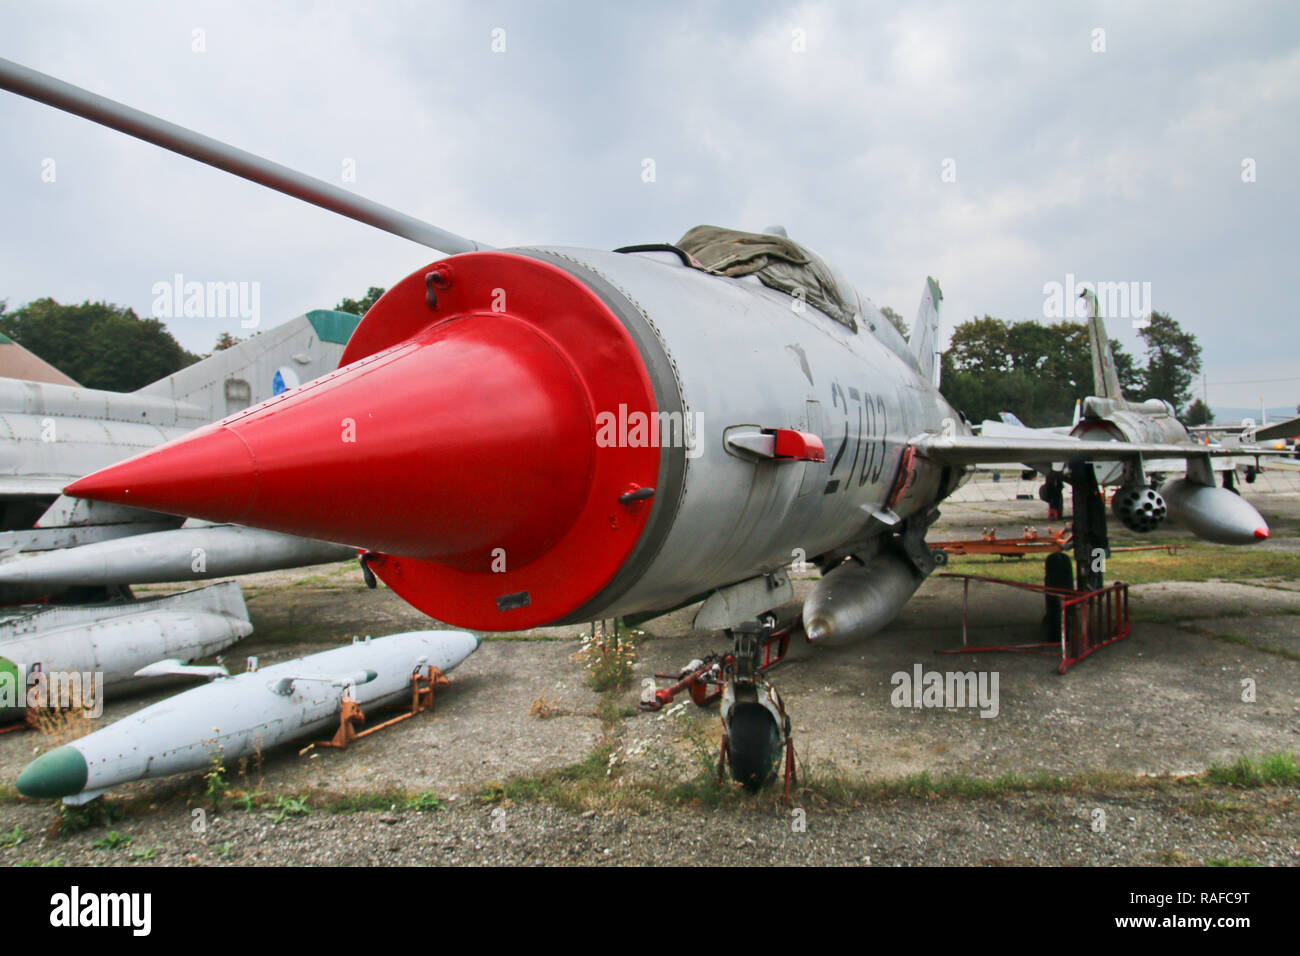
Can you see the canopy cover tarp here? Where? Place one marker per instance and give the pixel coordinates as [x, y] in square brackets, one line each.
[780, 263]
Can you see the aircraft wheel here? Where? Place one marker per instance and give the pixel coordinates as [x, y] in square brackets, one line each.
[755, 742]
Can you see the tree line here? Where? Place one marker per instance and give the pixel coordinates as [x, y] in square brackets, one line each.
[107, 346]
[1037, 371]
[992, 365]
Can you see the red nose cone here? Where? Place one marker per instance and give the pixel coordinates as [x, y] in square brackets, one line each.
[462, 449]
[214, 459]
[474, 435]
[1261, 533]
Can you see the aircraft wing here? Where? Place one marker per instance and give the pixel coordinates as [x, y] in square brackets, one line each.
[983, 449]
[1286, 429]
[32, 486]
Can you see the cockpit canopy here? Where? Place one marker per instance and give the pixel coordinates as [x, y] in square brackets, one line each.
[780, 263]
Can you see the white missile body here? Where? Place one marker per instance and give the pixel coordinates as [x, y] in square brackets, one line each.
[238, 716]
[853, 602]
[1215, 514]
[112, 642]
[181, 554]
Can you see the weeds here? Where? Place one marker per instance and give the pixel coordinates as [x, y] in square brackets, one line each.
[96, 813]
[608, 659]
[112, 840]
[215, 782]
[287, 806]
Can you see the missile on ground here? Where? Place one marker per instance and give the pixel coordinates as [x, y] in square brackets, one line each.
[182, 554]
[853, 601]
[110, 643]
[237, 716]
[1213, 513]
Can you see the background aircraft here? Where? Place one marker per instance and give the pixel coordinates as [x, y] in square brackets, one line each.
[1109, 416]
[55, 433]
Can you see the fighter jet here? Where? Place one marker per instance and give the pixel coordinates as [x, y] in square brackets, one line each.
[546, 435]
[1108, 416]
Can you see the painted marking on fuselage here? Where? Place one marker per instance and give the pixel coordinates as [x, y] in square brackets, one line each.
[869, 439]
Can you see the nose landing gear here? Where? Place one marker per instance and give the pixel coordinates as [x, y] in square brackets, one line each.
[756, 730]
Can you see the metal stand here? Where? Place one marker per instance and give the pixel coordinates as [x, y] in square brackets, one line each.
[1089, 620]
[351, 715]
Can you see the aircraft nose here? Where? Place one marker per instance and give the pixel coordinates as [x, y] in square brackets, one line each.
[472, 436]
[60, 773]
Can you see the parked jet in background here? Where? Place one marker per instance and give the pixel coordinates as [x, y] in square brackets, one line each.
[1109, 416]
[55, 433]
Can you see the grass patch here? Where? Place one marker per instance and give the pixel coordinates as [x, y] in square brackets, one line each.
[835, 787]
[112, 840]
[575, 786]
[511, 636]
[287, 806]
[1282, 652]
[608, 660]
[97, 813]
[1229, 861]
[587, 785]
[1271, 770]
[283, 806]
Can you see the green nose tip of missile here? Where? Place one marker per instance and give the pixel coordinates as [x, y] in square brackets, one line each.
[59, 773]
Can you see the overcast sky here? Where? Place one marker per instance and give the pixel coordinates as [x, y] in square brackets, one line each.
[997, 146]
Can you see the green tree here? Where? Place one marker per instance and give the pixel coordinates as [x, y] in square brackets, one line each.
[1036, 371]
[224, 341]
[899, 322]
[1198, 413]
[360, 306]
[99, 344]
[1173, 361]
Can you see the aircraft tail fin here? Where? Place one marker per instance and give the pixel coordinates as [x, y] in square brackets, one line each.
[924, 341]
[1105, 379]
[262, 366]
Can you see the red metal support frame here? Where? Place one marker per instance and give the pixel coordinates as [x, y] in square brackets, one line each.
[1090, 621]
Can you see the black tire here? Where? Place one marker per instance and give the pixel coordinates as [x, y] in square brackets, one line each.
[755, 743]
